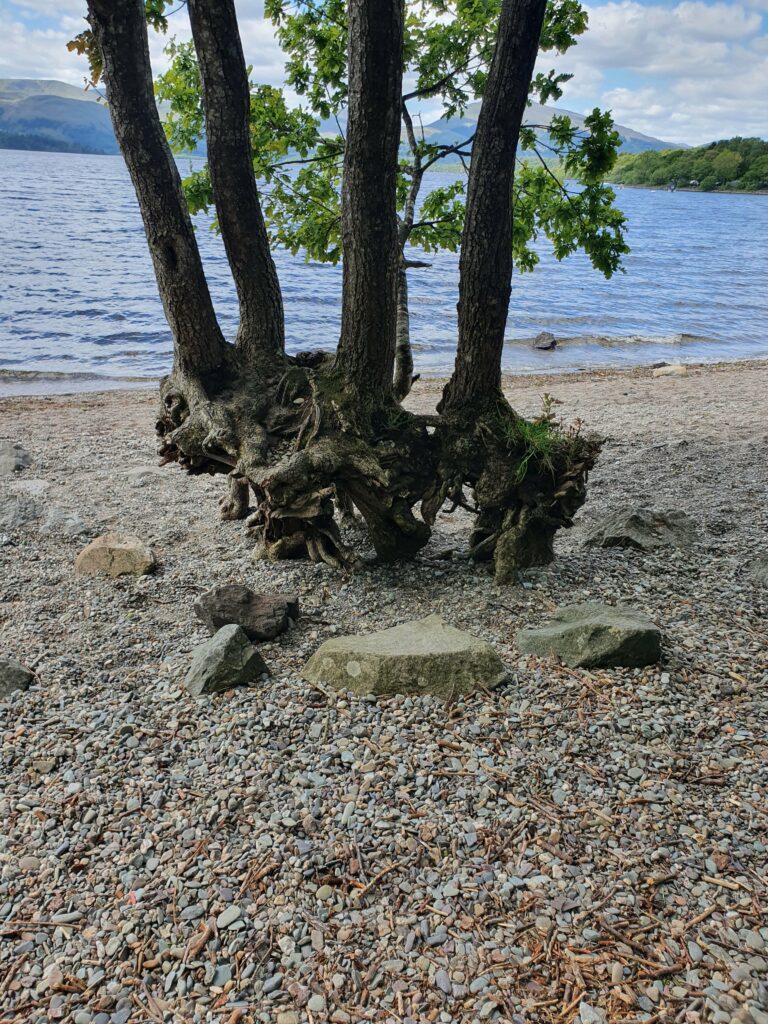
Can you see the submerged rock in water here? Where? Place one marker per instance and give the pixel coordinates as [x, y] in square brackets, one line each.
[13, 458]
[595, 635]
[644, 529]
[13, 676]
[115, 554]
[261, 616]
[545, 341]
[422, 656]
[227, 660]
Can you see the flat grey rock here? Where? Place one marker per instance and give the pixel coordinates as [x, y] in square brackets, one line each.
[227, 660]
[60, 522]
[595, 635]
[17, 511]
[13, 676]
[760, 570]
[643, 529]
[422, 656]
[13, 458]
[261, 616]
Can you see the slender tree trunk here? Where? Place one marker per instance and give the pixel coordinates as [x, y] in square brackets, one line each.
[121, 34]
[226, 101]
[485, 265]
[403, 354]
[369, 222]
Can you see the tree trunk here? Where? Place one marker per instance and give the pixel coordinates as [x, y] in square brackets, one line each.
[403, 354]
[121, 35]
[226, 102]
[369, 221]
[485, 264]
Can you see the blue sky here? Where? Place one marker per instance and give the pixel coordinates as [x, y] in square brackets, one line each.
[688, 71]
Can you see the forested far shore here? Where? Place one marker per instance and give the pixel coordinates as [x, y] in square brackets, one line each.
[731, 165]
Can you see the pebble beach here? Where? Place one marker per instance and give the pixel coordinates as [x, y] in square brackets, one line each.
[577, 845]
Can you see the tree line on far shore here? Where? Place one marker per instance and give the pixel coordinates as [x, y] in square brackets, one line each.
[729, 165]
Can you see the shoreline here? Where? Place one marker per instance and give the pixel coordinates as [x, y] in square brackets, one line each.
[687, 188]
[426, 381]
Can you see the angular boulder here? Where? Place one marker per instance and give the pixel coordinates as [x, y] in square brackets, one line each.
[227, 660]
[760, 570]
[13, 676]
[545, 341]
[115, 554]
[643, 529]
[595, 636]
[59, 521]
[425, 656]
[260, 616]
[13, 458]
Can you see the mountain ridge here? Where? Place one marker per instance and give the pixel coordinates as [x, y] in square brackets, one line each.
[47, 114]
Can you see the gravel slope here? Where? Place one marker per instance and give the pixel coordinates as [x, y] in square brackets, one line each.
[578, 846]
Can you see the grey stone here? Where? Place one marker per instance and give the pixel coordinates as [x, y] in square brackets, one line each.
[228, 659]
[422, 656]
[13, 458]
[115, 554]
[13, 676]
[760, 570]
[60, 521]
[592, 635]
[17, 511]
[545, 341]
[590, 1014]
[228, 917]
[644, 529]
[140, 476]
[316, 1003]
[261, 616]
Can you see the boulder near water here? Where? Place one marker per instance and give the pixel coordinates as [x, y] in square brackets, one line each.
[545, 341]
[595, 635]
[644, 529]
[115, 554]
[261, 616]
[227, 660]
[425, 656]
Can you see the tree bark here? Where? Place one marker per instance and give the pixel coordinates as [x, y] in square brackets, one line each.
[226, 102]
[369, 221]
[485, 264]
[121, 34]
[403, 354]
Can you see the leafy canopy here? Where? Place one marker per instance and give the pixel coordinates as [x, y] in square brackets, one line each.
[298, 153]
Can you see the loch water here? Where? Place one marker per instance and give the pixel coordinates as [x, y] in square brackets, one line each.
[78, 297]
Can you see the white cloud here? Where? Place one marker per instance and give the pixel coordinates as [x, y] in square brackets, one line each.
[691, 72]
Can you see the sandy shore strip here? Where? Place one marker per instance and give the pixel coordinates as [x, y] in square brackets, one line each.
[578, 846]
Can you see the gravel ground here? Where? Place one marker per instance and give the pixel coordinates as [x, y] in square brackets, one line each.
[586, 846]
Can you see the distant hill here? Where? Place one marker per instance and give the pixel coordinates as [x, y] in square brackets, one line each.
[42, 114]
[733, 165]
[450, 131]
[45, 114]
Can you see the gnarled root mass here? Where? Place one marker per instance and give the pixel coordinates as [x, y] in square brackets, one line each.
[301, 446]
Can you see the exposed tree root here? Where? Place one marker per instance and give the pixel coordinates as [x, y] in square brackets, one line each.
[297, 438]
